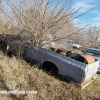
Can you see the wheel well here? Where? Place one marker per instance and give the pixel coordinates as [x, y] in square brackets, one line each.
[49, 64]
[3, 46]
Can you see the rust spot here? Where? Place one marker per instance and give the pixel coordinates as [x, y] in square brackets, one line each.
[62, 53]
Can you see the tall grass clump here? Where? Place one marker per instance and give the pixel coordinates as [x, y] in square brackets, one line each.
[17, 75]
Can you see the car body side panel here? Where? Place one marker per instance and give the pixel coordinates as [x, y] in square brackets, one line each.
[67, 66]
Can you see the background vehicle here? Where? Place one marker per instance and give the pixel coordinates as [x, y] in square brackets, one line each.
[74, 45]
[93, 52]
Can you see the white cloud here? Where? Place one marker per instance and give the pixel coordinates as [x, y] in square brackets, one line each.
[85, 7]
[90, 22]
[95, 19]
[91, 16]
[88, 1]
[96, 24]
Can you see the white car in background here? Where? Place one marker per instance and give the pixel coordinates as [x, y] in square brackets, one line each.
[74, 45]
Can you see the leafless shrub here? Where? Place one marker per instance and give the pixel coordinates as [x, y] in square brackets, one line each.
[46, 20]
[90, 36]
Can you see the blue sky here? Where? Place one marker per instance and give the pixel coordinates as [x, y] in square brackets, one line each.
[87, 5]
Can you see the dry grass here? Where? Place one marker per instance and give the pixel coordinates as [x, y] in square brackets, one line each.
[18, 75]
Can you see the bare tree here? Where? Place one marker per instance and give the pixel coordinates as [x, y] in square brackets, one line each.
[46, 20]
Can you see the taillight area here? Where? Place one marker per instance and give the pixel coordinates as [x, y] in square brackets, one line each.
[84, 78]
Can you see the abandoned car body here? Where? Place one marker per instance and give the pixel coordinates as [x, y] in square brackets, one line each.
[69, 68]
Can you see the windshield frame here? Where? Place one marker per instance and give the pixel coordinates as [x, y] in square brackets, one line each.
[91, 52]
